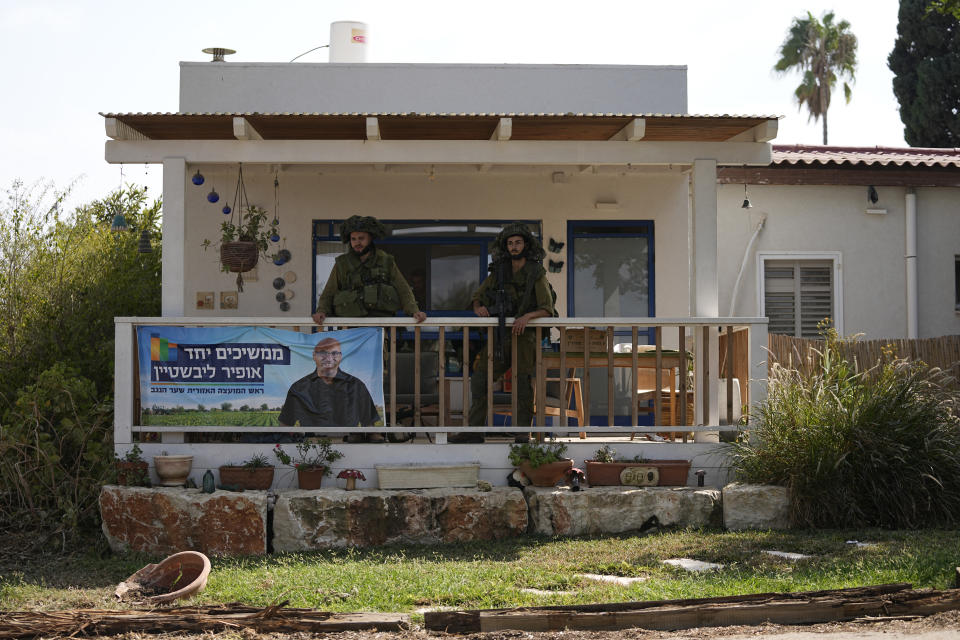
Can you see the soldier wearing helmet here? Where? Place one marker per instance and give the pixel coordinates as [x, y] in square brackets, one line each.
[365, 281]
[518, 252]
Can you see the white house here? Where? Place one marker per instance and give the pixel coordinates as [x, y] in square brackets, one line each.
[638, 200]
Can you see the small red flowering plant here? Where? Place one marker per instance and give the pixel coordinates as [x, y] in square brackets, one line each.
[314, 454]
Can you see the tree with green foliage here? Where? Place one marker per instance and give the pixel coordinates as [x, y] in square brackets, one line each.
[63, 278]
[822, 51]
[926, 65]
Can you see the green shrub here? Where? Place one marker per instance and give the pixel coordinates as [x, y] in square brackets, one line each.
[55, 453]
[873, 448]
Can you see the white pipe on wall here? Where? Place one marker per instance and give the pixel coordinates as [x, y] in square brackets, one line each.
[743, 265]
[910, 260]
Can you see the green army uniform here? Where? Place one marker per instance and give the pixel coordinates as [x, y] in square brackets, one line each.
[372, 287]
[538, 298]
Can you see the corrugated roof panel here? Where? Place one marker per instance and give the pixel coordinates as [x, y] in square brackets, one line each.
[898, 156]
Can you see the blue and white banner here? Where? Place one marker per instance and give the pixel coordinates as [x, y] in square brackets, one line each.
[252, 376]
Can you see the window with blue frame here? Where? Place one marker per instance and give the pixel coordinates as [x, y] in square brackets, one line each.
[612, 268]
[611, 276]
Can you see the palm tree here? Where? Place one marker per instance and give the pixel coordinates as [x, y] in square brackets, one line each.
[821, 51]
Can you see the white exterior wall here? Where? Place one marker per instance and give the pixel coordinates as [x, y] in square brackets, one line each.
[938, 244]
[832, 219]
[431, 88]
[310, 195]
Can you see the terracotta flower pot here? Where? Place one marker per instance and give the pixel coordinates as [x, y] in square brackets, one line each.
[172, 470]
[181, 575]
[253, 479]
[673, 473]
[547, 475]
[310, 477]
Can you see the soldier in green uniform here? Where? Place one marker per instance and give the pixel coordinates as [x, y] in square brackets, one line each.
[365, 281]
[525, 282]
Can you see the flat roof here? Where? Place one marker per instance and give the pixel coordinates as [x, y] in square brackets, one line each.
[439, 126]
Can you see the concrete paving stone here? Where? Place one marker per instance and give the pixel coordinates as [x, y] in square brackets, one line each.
[692, 565]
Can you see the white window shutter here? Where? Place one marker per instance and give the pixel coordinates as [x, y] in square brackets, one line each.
[798, 295]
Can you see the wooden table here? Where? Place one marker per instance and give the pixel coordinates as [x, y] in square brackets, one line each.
[646, 359]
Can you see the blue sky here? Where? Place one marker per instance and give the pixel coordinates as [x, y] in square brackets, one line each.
[64, 61]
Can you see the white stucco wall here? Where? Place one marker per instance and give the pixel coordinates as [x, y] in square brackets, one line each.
[938, 244]
[431, 88]
[307, 195]
[833, 218]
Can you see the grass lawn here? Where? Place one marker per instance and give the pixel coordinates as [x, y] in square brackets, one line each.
[488, 575]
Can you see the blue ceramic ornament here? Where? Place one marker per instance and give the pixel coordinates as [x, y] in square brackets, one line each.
[277, 260]
[275, 237]
[213, 196]
[197, 178]
[226, 209]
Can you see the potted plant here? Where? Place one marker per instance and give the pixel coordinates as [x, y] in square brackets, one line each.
[351, 476]
[605, 469]
[172, 470]
[132, 469]
[243, 239]
[254, 473]
[543, 464]
[312, 461]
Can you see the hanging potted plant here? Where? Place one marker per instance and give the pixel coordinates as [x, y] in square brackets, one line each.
[245, 235]
[312, 461]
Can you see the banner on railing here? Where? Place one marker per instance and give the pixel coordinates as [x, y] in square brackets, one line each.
[252, 376]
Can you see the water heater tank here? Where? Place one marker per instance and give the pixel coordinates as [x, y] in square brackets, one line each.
[348, 41]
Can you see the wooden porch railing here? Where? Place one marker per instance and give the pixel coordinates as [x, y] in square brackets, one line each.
[701, 361]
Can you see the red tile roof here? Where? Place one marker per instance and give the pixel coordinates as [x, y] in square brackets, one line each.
[900, 156]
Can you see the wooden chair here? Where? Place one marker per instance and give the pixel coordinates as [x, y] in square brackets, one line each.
[646, 393]
[553, 406]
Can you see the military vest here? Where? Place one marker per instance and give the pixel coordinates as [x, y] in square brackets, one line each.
[519, 288]
[366, 288]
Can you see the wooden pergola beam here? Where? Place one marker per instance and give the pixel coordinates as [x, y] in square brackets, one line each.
[119, 130]
[373, 129]
[633, 131]
[244, 130]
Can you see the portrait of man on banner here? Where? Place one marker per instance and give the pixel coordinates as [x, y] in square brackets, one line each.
[329, 396]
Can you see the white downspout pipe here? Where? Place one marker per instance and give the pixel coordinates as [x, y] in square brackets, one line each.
[743, 266]
[910, 260]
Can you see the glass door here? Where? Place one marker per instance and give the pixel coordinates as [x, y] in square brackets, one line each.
[611, 277]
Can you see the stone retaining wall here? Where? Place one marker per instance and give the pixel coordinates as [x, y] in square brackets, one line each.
[557, 511]
[166, 520]
[306, 520]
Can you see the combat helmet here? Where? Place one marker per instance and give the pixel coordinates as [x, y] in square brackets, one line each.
[498, 248]
[362, 223]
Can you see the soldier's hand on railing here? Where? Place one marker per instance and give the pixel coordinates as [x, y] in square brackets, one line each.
[319, 317]
[419, 316]
[481, 310]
